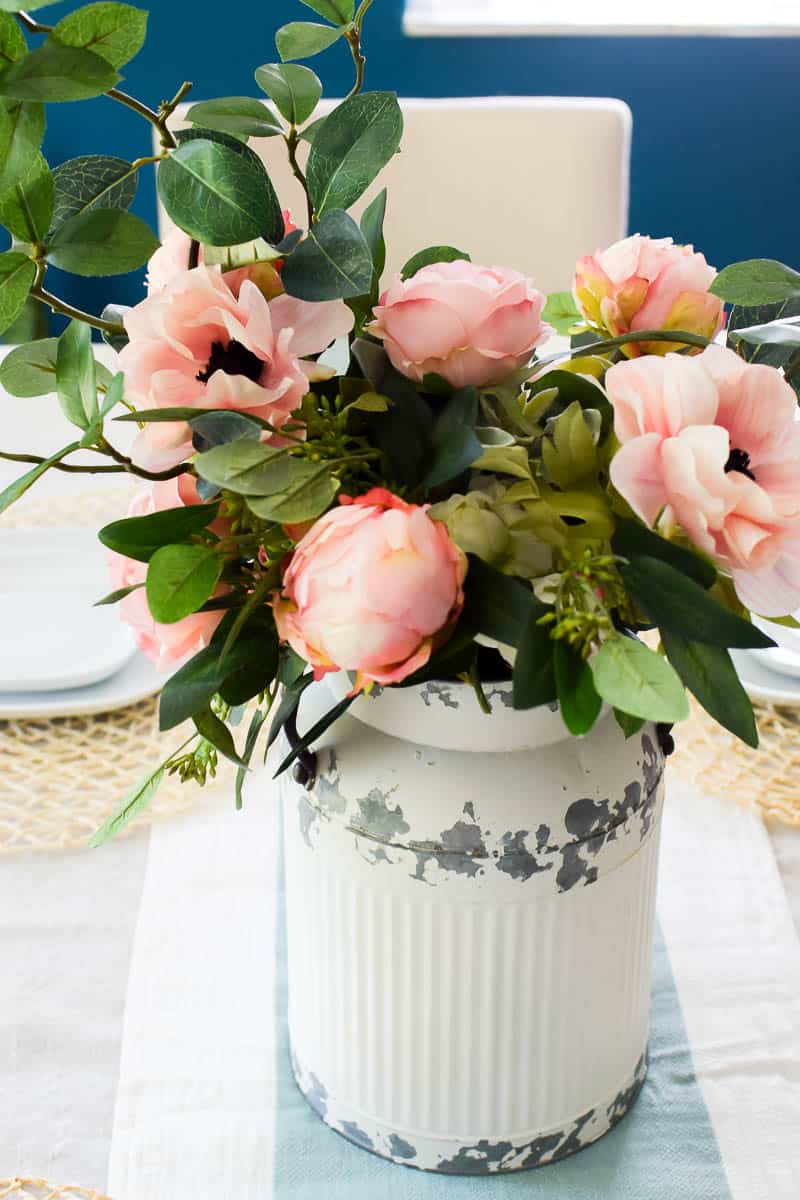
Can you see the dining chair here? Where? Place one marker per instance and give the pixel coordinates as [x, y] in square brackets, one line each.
[533, 182]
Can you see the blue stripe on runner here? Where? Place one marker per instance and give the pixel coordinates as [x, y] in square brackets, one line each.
[664, 1149]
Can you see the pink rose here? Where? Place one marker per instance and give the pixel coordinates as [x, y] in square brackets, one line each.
[372, 588]
[712, 443]
[195, 344]
[471, 325]
[165, 645]
[172, 259]
[648, 283]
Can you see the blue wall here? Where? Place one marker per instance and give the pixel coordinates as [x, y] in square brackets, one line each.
[715, 156]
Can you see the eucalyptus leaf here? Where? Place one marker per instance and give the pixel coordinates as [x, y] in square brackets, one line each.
[221, 427]
[20, 138]
[247, 467]
[102, 241]
[675, 602]
[179, 581]
[357, 140]
[54, 72]
[243, 116]
[114, 31]
[18, 488]
[30, 370]
[339, 11]
[295, 90]
[432, 254]
[219, 195]
[140, 537]
[304, 39]
[310, 491]
[638, 681]
[711, 677]
[17, 274]
[92, 181]
[332, 262]
[371, 224]
[76, 382]
[756, 281]
[579, 702]
[27, 207]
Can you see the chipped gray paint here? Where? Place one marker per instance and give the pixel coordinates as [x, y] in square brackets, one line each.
[517, 860]
[484, 1156]
[441, 693]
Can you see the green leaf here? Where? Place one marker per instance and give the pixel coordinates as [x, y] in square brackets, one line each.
[179, 581]
[756, 281]
[433, 254]
[371, 224]
[259, 717]
[30, 370]
[189, 690]
[314, 733]
[310, 491]
[534, 678]
[638, 681]
[628, 724]
[770, 353]
[114, 31]
[247, 467]
[339, 11]
[140, 537]
[134, 803]
[115, 596]
[579, 702]
[355, 143]
[103, 241]
[310, 132]
[27, 207]
[216, 732]
[243, 116]
[55, 73]
[772, 334]
[92, 181]
[455, 444]
[76, 383]
[561, 311]
[571, 455]
[295, 90]
[633, 540]
[289, 701]
[218, 194]
[221, 427]
[21, 134]
[17, 274]
[18, 488]
[710, 675]
[303, 39]
[677, 603]
[497, 605]
[12, 44]
[332, 262]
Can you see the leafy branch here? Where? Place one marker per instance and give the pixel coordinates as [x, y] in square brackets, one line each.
[123, 465]
[353, 37]
[56, 305]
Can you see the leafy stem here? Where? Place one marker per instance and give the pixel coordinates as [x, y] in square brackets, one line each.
[55, 304]
[353, 37]
[70, 468]
[292, 139]
[680, 337]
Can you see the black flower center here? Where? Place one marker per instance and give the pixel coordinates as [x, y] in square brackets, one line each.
[233, 359]
[739, 460]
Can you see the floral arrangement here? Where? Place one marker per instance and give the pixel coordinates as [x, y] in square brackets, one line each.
[402, 479]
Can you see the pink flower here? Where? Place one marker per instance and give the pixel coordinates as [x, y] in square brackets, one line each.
[194, 344]
[172, 259]
[472, 325]
[165, 645]
[712, 443]
[648, 283]
[372, 588]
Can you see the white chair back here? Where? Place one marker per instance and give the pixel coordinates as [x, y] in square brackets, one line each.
[529, 182]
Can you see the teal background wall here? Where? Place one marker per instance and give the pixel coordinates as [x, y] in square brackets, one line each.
[715, 156]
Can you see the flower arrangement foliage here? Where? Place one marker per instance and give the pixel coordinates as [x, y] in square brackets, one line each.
[455, 499]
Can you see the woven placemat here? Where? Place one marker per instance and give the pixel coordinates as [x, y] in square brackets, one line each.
[717, 762]
[40, 1189]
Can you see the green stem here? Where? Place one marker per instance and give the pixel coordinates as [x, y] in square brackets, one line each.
[474, 680]
[292, 140]
[37, 461]
[127, 464]
[32, 26]
[680, 336]
[792, 367]
[75, 314]
[353, 37]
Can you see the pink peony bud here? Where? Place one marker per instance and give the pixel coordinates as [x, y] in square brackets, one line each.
[372, 588]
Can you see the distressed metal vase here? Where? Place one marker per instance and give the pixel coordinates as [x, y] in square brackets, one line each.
[470, 906]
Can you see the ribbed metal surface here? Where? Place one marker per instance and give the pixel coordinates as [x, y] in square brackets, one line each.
[466, 1020]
